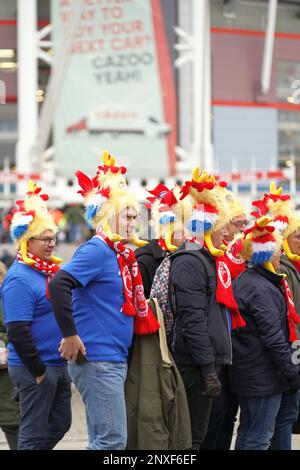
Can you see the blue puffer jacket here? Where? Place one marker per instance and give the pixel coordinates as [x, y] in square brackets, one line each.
[262, 355]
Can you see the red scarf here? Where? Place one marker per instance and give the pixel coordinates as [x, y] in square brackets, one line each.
[44, 267]
[135, 303]
[235, 264]
[224, 292]
[293, 318]
[162, 244]
[297, 265]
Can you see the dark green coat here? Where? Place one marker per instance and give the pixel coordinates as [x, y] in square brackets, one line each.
[157, 409]
[293, 280]
[9, 408]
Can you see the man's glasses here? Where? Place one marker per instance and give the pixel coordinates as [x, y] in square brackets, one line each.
[46, 240]
[241, 223]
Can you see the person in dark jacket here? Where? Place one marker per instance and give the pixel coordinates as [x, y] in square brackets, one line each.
[225, 406]
[290, 265]
[201, 297]
[290, 258]
[281, 208]
[168, 214]
[263, 374]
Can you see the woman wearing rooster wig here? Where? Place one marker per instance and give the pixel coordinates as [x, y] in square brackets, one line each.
[34, 363]
[108, 305]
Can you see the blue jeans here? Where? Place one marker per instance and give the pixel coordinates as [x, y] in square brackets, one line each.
[45, 409]
[101, 386]
[257, 421]
[286, 417]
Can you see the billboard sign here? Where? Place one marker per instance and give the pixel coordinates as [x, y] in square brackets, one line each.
[119, 91]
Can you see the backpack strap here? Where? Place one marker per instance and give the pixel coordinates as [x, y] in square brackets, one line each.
[154, 305]
[209, 269]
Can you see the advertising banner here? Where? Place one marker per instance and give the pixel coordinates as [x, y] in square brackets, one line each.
[119, 91]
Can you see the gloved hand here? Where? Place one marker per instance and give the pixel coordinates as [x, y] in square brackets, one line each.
[294, 383]
[212, 385]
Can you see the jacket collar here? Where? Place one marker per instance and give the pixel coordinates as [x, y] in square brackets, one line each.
[197, 247]
[276, 279]
[157, 252]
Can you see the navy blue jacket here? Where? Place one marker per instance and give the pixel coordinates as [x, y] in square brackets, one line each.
[262, 355]
[201, 332]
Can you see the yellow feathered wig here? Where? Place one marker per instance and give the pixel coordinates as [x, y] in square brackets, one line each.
[30, 220]
[260, 242]
[211, 212]
[236, 208]
[106, 195]
[285, 218]
[168, 213]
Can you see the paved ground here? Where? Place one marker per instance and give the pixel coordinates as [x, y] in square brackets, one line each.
[76, 438]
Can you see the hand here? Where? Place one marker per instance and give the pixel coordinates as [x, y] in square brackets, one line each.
[70, 346]
[40, 379]
[294, 383]
[212, 385]
[3, 357]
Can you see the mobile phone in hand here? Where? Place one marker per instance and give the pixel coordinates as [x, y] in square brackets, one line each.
[81, 358]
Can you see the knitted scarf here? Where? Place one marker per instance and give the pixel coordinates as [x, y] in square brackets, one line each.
[44, 267]
[224, 292]
[297, 265]
[293, 318]
[162, 244]
[235, 264]
[135, 303]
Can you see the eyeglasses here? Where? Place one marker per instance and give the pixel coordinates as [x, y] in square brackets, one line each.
[46, 240]
[241, 223]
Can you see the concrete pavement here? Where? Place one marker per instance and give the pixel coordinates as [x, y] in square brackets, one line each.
[76, 438]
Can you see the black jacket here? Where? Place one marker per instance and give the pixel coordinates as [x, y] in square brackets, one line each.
[201, 334]
[149, 258]
[262, 356]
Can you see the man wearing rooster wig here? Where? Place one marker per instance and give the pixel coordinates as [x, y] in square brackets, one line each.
[108, 305]
[203, 305]
[263, 373]
[168, 213]
[281, 208]
[34, 363]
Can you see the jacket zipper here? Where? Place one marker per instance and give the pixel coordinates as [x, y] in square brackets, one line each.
[229, 334]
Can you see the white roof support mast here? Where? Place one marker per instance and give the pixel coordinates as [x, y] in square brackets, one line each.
[269, 48]
[27, 83]
[197, 48]
[34, 130]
